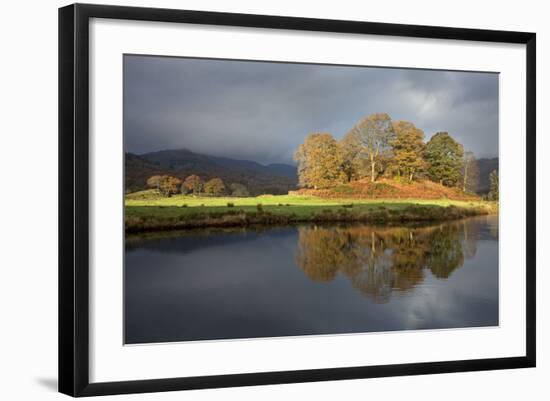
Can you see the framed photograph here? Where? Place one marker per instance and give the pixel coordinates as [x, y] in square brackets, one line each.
[251, 199]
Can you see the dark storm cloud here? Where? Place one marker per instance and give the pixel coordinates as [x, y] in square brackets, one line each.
[262, 111]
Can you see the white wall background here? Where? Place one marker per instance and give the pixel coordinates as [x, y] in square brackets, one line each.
[28, 199]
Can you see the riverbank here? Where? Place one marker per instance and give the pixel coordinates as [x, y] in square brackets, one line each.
[147, 212]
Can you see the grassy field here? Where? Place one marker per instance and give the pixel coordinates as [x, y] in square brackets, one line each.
[147, 210]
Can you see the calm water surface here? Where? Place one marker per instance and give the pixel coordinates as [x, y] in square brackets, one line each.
[305, 280]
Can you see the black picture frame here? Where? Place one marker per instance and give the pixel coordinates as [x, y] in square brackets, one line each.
[74, 204]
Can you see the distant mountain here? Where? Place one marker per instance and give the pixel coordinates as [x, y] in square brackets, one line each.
[184, 159]
[485, 167]
[258, 178]
[286, 170]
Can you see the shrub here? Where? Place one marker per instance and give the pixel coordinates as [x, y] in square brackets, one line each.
[347, 205]
[259, 207]
[343, 189]
[230, 204]
[401, 179]
[184, 205]
[379, 188]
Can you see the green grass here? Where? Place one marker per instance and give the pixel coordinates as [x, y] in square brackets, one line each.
[148, 211]
[150, 198]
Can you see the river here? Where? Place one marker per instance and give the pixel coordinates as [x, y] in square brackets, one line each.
[310, 280]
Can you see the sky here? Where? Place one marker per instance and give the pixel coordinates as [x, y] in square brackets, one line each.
[262, 111]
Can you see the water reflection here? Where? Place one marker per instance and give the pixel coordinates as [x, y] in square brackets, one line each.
[281, 281]
[381, 260]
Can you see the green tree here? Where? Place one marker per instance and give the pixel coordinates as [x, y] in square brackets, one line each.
[493, 186]
[444, 156]
[214, 187]
[193, 184]
[370, 138]
[446, 253]
[320, 161]
[239, 190]
[470, 173]
[407, 148]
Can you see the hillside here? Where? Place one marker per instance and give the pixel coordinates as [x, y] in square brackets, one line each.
[258, 178]
[485, 167]
[389, 189]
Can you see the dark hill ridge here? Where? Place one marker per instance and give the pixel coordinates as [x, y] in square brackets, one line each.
[184, 158]
[485, 167]
[286, 170]
[258, 178]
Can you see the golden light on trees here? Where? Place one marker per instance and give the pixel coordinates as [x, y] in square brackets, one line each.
[408, 148]
[320, 161]
[154, 181]
[371, 137]
[214, 187]
[165, 184]
[377, 146]
[193, 184]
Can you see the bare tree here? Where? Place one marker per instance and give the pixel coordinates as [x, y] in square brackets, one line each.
[371, 138]
[470, 173]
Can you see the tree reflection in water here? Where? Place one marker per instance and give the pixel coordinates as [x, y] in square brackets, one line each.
[380, 261]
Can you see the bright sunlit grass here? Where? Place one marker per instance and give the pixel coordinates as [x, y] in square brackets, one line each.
[146, 203]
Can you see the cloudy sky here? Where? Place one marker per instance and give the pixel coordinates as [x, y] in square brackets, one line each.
[262, 111]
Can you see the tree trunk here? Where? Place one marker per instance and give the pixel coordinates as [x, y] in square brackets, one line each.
[465, 177]
[372, 163]
[410, 177]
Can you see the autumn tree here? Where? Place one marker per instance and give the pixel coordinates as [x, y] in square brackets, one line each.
[319, 161]
[318, 253]
[379, 262]
[470, 173]
[238, 189]
[353, 166]
[214, 187]
[371, 138]
[169, 185]
[444, 156]
[408, 148]
[193, 184]
[154, 182]
[493, 185]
